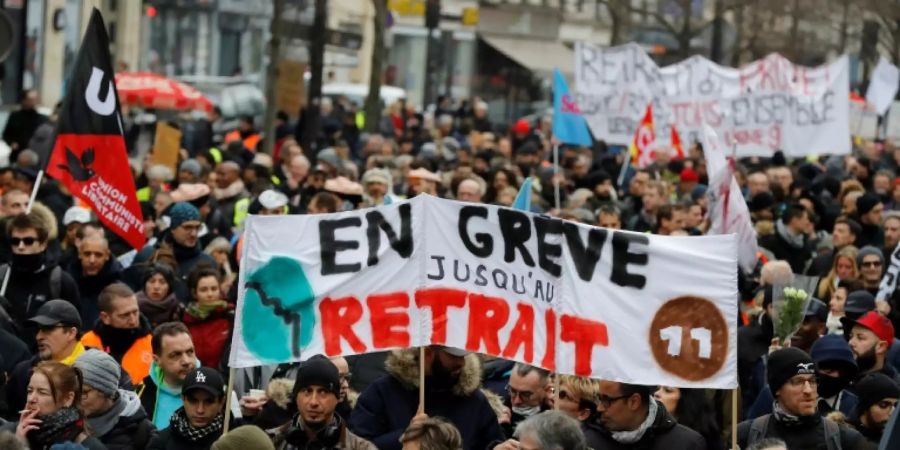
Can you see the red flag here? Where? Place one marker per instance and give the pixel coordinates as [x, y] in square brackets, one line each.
[89, 156]
[677, 148]
[644, 137]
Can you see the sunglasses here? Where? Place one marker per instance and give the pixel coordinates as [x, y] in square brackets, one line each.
[28, 241]
[872, 264]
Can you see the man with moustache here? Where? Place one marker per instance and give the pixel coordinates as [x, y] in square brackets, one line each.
[452, 381]
[878, 397]
[871, 336]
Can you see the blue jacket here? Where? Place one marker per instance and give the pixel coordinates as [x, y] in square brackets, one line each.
[385, 408]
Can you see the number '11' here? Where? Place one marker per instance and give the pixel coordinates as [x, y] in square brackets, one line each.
[673, 335]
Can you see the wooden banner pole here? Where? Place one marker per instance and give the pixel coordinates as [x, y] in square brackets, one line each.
[421, 380]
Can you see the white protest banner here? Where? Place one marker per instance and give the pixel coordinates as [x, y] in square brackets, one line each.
[883, 86]
[569, 297]
[765, 106]
[728, 211]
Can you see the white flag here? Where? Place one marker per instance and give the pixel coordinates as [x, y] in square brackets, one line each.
[883, 86]
[728, 211]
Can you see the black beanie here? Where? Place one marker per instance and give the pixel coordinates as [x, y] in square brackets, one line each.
[318, 371]
[874, 388]
[784, 364]
[866, 202]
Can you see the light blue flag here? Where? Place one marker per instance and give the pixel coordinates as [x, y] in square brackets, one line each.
[568, 123]
[523, 198]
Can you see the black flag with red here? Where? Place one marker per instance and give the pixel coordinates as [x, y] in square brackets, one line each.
[89, 156]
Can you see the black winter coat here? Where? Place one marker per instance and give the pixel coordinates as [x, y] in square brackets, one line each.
[807, 435]
[90, 286]
[169, 439]
[664, 434]
[132, 432]
[385, 408]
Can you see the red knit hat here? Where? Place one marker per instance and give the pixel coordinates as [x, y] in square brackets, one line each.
[689, 175]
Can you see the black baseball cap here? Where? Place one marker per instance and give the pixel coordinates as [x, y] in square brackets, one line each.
[816, 308]
[56, 312]
[205, 379]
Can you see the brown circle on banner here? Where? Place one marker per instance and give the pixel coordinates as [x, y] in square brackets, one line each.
[689, 338]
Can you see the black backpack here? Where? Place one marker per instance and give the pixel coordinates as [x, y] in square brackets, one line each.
[760, 425]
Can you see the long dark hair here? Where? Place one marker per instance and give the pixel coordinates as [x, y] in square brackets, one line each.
[695, 411]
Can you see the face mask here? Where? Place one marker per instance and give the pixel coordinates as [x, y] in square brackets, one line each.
[526, 411]
[831, 386]
[28, 263]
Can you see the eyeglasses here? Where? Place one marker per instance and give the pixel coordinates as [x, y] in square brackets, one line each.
[887, 404]
[871, 264]
[524, 395]
[801, 382]
[606, 400]
[28, 241]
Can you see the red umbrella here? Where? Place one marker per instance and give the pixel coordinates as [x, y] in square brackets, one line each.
[150, 90]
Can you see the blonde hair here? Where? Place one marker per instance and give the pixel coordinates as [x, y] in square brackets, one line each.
[581, 387]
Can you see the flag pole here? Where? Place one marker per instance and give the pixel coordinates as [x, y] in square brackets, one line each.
[556, 175]
[734, 418]
[228, 394]
[421, 380]
[31, 199]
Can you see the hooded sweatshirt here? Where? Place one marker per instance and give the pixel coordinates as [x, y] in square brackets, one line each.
[159, 399]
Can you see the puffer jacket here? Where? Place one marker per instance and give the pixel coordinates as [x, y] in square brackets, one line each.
[385, 408]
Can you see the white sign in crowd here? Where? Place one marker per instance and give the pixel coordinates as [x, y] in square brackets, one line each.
[568, 297]
[767, 105]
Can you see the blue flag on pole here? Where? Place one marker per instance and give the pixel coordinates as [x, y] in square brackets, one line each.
[523, 198]
[568, 123]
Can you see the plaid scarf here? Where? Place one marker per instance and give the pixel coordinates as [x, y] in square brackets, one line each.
[182, 426]
[61, 426]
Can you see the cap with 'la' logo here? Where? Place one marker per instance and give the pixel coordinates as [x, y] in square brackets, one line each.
[206, 379]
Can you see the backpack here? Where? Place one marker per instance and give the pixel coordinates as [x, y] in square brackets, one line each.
[760, 425]
[55, 279]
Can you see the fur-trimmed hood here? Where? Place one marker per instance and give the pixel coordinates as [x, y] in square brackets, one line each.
[404, 366]
[47, 218]
[279, 391]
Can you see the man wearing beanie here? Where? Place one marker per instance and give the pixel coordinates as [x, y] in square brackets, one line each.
[869, 209]
[878, 397]
[247, 437]
[836, 368]
[871, 266]
[792, 376]
[316, 393]
[183, 237]
[871, 336]
[115, 416]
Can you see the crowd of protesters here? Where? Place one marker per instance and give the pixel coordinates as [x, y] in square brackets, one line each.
[103, 346]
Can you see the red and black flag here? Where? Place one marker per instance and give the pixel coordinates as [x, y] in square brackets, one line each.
[89, 156]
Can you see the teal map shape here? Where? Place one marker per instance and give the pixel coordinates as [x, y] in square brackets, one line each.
[278, 317]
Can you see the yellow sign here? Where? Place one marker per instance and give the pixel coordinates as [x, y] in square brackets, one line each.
[407, 7]
[166, 146]
[470, 16]
[290, 93]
